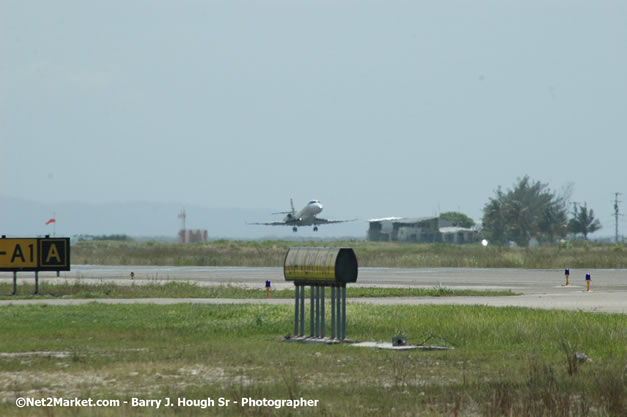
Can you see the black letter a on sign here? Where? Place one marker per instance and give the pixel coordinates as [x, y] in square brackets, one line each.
[18, 253]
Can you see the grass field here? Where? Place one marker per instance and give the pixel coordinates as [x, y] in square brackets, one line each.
[173, 289]
[370, 254]
[506, 361]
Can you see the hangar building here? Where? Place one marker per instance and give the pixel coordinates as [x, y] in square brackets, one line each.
[418, 229]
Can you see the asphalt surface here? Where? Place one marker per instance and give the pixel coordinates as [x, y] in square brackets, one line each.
[538, 288]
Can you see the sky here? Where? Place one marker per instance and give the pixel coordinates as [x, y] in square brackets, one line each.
[376, 108]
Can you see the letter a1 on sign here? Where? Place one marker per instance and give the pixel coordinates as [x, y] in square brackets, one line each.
[18, 254]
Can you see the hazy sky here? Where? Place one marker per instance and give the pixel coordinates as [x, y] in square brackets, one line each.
[377, 108]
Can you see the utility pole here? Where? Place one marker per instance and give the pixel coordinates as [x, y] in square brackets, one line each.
[616, 214]
[183, 216]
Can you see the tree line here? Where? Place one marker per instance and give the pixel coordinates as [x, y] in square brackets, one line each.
[531, 210]
[121, 237]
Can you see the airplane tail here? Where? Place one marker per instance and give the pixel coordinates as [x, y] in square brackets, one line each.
[292, 213]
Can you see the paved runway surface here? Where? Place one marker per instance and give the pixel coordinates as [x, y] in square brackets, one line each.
[539, 288]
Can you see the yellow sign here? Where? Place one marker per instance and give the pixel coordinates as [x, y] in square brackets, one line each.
[36, 254]
[310, 264]
[16, 254]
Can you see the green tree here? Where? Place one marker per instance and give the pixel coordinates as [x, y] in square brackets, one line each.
[583, 221]
[528, 210]
[457, 219]
[494, 219]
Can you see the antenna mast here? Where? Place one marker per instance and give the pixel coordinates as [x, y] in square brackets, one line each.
[182, 234]
[182, 215]
[616, 214]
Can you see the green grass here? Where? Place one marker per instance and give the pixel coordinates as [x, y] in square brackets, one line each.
[369, 254]
[506, 361]
[175, 289]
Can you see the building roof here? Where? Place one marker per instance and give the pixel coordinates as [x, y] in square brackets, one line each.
[384, 219]
[402, 220]
[454, 229]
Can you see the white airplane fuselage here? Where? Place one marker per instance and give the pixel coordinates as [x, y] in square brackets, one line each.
[306, 215]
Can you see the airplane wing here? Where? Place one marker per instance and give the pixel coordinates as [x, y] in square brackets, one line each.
[325, 221]
[273, 224]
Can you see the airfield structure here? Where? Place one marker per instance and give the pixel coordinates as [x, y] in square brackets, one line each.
[319, 268]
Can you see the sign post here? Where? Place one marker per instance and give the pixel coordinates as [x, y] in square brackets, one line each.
[34, 254]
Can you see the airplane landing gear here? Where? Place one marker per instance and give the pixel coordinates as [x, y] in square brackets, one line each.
[315, 228]
[294, 229]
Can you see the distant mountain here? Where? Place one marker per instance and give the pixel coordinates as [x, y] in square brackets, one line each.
[20, 217]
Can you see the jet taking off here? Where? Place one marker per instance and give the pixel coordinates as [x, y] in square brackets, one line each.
[305, 217]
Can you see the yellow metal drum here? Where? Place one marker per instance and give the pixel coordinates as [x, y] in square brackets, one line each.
[320, 265]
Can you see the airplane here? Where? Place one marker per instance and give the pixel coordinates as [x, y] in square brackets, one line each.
[305, 217]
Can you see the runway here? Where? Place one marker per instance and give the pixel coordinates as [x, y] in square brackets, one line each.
[538, 288]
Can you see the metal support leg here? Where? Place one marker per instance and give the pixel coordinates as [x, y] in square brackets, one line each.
[14, 283]
[296, 315]
[36, 282]
[322, 321]
[338, 314]
[344, 312]
[311, 311]
[333, 330]
[316, 307]
[302, 311]
[318, 311]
